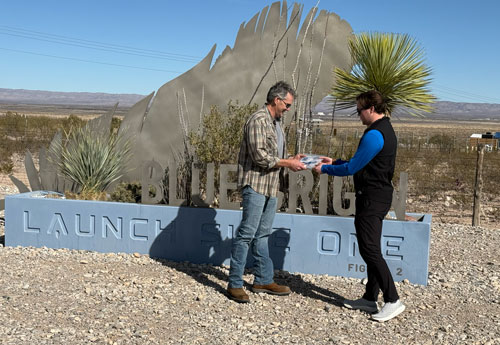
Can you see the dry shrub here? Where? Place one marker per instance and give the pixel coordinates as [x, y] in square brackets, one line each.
[127, 192]
[86, 195]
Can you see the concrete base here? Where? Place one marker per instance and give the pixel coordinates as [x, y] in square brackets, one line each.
[299, 243]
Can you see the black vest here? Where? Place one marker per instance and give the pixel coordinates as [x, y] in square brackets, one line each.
[375, 179]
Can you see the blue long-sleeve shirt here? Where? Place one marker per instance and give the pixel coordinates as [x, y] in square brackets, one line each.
[371, 144]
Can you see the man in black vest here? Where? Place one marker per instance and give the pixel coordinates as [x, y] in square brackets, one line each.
[373, 167]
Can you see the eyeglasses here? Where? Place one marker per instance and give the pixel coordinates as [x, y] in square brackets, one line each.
[287, 105]
[359, 110]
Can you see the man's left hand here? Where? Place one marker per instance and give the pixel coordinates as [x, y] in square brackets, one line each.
[298, 156]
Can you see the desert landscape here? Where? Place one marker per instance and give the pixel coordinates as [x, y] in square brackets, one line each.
[52, 296]
[435, 153]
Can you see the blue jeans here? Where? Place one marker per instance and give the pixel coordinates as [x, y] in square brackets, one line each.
[254, 230]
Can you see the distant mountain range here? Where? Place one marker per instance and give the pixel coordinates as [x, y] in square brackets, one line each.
[20, 96]
[442, 109]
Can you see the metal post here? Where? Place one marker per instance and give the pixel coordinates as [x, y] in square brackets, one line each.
[478, 186]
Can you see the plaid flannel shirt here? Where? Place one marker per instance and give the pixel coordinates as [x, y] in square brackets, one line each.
[259, 154]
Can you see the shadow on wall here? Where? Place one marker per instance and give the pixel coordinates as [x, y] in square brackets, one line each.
[197, 237]
[198, 246]
[2, 223]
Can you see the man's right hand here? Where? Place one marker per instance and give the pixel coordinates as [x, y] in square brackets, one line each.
[296, 165]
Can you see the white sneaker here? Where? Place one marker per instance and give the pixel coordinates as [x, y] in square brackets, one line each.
[389, 311]
[361, 304]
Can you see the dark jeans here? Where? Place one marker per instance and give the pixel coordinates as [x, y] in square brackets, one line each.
[368, 223]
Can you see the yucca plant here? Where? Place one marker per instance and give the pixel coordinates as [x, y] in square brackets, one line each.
[392, 64]
[91, 160]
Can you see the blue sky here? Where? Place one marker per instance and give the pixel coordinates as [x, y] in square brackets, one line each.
[166, 38]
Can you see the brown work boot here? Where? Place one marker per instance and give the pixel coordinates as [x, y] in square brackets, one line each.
[238, 294]
[273, 289]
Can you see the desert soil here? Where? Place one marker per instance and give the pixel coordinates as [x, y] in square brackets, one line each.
[65, 296]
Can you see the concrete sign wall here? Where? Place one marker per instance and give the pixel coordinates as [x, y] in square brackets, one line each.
[299, 243]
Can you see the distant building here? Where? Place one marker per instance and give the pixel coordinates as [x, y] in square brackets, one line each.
[488, 140]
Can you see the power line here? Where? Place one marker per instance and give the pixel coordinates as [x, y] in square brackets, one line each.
[461, 91]
[69, 41]
[90, 61]
[460, 94]
[458, 97]
[102, 49]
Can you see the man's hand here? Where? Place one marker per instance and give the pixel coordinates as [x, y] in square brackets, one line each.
[295, 164]
[298, 156]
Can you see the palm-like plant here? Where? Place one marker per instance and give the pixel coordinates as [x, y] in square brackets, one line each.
[391, 64]
[92, 160]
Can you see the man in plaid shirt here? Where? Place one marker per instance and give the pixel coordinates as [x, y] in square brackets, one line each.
[261, 157]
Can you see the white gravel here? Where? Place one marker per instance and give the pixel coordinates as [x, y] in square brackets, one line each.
[76, 297]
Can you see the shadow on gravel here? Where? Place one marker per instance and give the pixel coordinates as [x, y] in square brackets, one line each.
[278, 250]
[198, 239]
[205, 274]
[309, 290]
[200, 273]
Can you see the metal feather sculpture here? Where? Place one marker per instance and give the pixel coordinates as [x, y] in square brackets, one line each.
[272, 46]
[267, 49]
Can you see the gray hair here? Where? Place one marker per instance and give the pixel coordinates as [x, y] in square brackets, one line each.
[280, 90]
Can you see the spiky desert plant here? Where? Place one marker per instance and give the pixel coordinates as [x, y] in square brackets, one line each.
[92, 160]
[390, 63]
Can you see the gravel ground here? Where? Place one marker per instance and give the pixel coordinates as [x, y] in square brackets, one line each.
[77, 297]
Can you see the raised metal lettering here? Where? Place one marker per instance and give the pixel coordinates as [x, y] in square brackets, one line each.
[303, 190]
[225, 185]
[152, 174]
